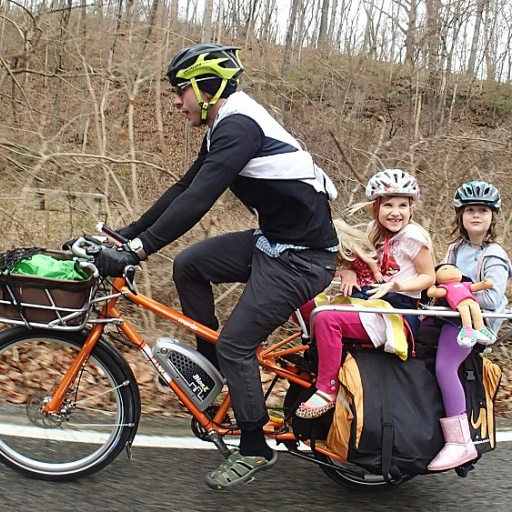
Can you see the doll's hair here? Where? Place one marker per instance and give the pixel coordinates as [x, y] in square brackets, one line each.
[464, 277]
[354, 243]
[460, 233]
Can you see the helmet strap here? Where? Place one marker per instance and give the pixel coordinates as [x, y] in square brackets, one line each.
[204, 104]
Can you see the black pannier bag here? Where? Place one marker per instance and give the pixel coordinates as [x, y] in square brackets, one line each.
[387, 411]
[481, 379]
[387, 414]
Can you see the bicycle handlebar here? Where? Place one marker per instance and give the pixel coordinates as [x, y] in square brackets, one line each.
[112, 235]
[87, 248]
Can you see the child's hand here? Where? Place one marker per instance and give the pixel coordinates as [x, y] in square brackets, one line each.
[379, 290]
[379, 278]
[348, 282]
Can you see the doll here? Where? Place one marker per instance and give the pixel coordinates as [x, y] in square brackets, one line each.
[357, 253]
[459, 296]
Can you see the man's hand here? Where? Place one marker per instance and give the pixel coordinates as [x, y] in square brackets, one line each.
[111, 262]
[348, 282]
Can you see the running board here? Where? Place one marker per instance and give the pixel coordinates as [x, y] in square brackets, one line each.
[310, 458]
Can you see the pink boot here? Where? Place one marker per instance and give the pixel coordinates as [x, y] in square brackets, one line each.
[459, 447]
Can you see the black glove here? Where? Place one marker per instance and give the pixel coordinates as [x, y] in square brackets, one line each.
[111, 262]
[130, 232]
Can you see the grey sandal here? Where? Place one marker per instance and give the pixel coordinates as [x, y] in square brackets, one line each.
[238, 469]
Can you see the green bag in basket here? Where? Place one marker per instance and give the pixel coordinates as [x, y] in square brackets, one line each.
[41, 265]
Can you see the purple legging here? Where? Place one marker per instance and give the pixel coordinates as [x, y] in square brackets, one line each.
[449, 357]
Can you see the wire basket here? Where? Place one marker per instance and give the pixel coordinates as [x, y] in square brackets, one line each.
[46, 302]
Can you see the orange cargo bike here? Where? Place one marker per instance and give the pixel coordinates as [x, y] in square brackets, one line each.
[70, 403]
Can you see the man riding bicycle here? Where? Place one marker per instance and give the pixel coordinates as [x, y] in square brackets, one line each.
[285, 262]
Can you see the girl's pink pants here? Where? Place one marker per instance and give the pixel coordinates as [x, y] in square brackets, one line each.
[330, 327]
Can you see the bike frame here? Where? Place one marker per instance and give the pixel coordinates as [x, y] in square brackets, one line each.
[267, 358]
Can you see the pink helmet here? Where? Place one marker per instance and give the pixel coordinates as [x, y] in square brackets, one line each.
[392, 182]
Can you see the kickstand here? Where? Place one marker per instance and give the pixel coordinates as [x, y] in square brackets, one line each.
[218, 441]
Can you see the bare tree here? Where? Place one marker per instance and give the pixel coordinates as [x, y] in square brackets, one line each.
[251, 18]
[207, 21]
[324, 23]
[490, 40]
[410, 30]
[332, 22]
[174, 12]
[220, 16]
[480, 7]
[63, 35]
[268, 12]
[285, 68]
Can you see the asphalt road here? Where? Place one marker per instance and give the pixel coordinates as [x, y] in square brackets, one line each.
[172, 480]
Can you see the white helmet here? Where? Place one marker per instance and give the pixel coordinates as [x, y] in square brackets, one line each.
[392, 182]
[477, 192]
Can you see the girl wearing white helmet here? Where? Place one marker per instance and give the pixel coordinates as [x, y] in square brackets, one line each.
[478, 256]
[406, 263]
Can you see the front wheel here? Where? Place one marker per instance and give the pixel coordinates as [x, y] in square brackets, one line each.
[98, 417]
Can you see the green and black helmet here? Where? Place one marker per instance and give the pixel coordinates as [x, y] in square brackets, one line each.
[209, 67]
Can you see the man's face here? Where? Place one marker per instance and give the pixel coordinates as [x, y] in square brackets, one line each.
[185, 100]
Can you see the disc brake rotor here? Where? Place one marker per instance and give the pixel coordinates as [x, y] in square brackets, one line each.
[37, 417]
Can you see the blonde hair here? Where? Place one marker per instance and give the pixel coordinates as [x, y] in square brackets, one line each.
[354, 243]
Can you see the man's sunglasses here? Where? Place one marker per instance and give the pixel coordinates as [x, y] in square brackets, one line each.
[179, 89]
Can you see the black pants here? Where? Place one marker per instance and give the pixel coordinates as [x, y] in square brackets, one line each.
[275, 288]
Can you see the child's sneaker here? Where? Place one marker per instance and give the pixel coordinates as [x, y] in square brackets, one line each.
[467, 337]
[485, 336]
[317, 405]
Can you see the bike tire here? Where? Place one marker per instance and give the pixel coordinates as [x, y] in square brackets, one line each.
[99, 416]
[355, 477]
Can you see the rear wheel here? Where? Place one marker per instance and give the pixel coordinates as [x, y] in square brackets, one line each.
[353, 476]
[97, 418]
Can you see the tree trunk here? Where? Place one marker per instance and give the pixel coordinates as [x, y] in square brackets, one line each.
[250, 22]
[220, 23]
[332, 23]
[285, 68]
[267, 17]
[159, 22]
[174, 13]
[324, 23]
[207, 21]
[63, 36]
[490, 43]
[480, 7]
[410, 34]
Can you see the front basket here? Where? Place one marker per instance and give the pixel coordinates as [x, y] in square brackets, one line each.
[45, 302]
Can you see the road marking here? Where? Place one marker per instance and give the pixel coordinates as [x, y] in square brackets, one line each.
[141, 440]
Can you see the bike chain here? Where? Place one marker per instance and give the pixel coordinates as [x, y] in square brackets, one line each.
[199, 431]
